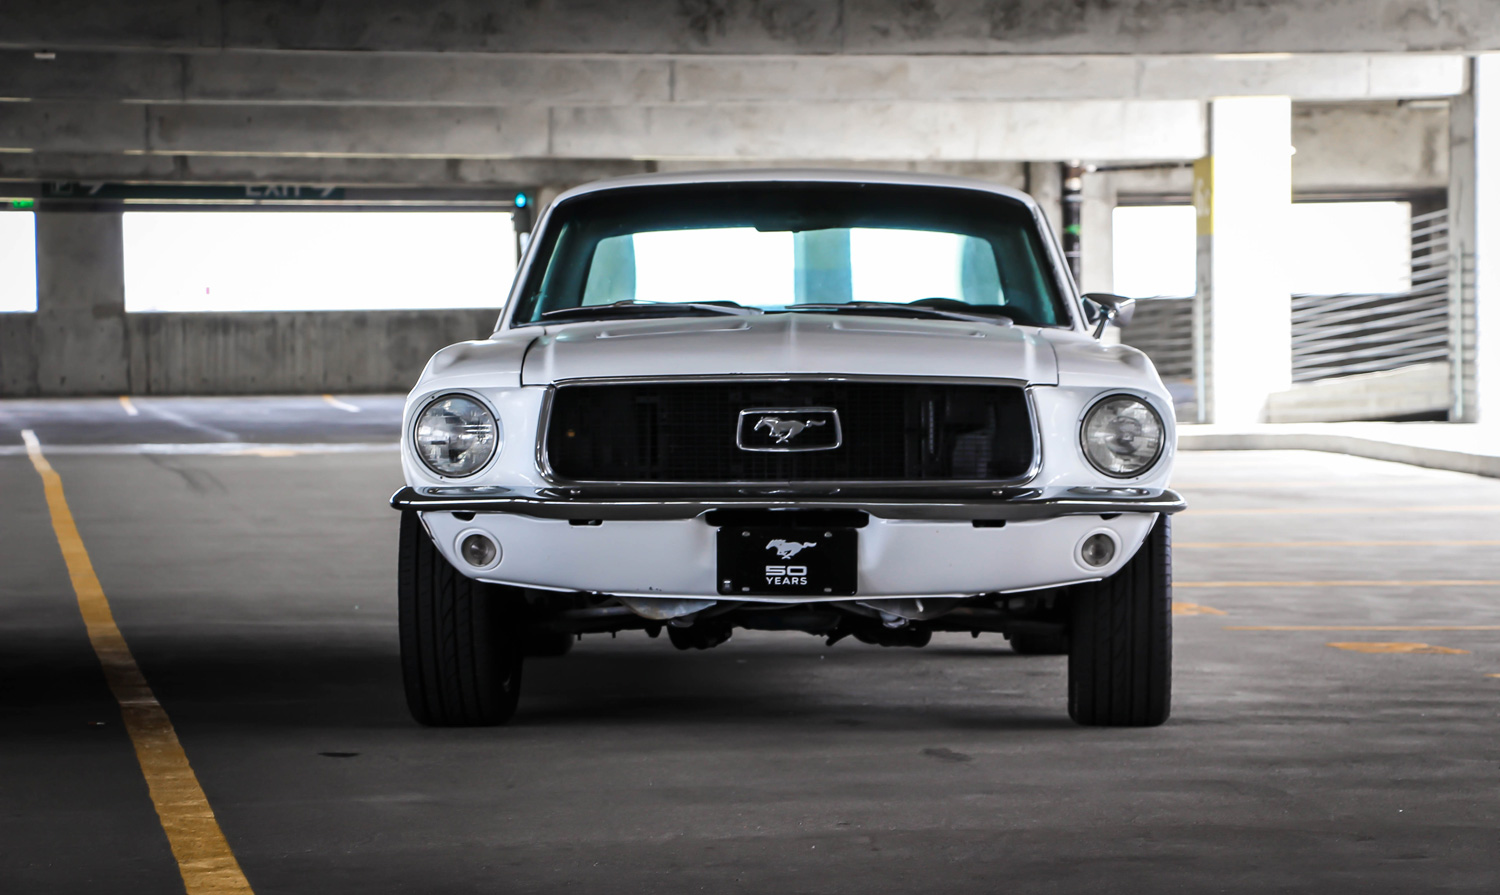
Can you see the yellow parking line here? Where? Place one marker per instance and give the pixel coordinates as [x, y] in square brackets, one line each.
[203, 855]
[129, 405]
[1437, 582]
[1362, 627]
[1346, 511]
[1367, 646]
[1235, 545]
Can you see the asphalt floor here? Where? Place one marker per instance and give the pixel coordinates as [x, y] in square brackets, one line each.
[1337, 698]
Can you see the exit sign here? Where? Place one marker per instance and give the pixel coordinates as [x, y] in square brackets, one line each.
[166, 192]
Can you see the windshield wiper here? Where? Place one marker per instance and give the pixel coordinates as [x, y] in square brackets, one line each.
[897, 309]
[633, 308]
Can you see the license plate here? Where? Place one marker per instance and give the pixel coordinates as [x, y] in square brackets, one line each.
[792, 562]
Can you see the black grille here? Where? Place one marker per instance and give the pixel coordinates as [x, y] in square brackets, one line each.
[685, 432]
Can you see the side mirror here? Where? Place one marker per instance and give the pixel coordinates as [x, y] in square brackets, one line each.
[1116, 309]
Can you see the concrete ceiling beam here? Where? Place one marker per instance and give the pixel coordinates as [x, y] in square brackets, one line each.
[966, 131]
[499, 80]
[772, 26]
[33, 167]
[896, 131]
[993, 78]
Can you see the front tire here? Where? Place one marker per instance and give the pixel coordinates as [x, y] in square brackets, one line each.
[461, 639]
[1120, 653]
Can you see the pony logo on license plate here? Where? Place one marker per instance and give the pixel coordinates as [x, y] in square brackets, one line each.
[789, 562]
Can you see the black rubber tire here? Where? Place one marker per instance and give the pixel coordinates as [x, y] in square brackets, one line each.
[1120, 658]
[1031, 644]
[461, 639]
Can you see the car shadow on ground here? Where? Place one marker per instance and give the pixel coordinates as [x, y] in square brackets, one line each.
[301, 682]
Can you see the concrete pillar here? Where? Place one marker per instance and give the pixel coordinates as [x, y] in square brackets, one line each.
[1098, 233]
[1044, 183]
[1486, 292]
[1243, 310]
[1461, 234]
[82, 346]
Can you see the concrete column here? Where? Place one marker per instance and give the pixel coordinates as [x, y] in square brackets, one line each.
[1044, 183]
[1098, 233]
[1461, 233]
[82, 346]
[1486, 292]
[1243, 310]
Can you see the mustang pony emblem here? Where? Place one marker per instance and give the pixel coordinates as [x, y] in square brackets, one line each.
[785, 430]
[789, 549]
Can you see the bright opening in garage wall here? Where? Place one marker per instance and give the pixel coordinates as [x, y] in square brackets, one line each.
[1331, 248]
[18, 262]
[216, 261]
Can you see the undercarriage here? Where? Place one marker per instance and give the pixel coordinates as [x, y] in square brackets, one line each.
[883, 622]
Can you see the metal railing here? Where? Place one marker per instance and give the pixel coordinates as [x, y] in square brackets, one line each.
[1163, 328]
[1342, 335]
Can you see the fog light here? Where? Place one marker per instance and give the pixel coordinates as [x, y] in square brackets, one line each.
[1098, 549]
[479, 551]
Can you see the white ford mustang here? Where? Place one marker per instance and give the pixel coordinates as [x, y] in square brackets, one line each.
[852, 404]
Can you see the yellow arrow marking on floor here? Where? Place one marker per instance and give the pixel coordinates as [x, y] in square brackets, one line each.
[1372, 647]
[1194, 609]
[203, 855]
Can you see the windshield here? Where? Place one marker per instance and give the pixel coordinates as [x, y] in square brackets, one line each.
[778, 246]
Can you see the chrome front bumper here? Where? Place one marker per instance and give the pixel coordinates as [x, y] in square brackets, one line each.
[621, 504]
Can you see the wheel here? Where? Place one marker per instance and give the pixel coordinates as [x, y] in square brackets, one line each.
[461, 640]
[1120, 658]
[1039, 644]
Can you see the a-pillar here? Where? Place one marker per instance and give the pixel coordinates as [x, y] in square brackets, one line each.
[1474, 233]
[1242, 314]
[82, 347]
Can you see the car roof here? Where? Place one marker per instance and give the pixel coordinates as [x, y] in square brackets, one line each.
[797, 175]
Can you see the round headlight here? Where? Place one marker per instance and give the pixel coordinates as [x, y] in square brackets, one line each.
[456, 435]
[1122, 436]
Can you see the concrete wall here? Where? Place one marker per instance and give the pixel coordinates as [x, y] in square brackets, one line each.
[1418, 390]
[288, 352]
[81, 342]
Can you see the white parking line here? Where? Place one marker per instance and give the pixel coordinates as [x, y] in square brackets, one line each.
[342, 405]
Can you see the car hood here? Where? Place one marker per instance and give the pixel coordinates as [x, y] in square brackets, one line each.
[796, 343]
